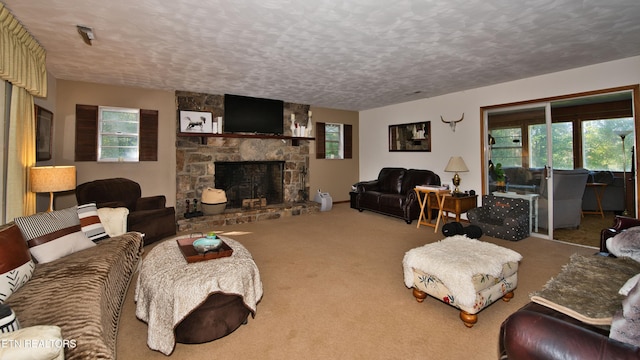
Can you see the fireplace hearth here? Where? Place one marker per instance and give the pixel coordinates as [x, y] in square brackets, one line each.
[250, 183]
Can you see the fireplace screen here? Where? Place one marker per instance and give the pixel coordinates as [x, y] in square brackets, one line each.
[250, 182]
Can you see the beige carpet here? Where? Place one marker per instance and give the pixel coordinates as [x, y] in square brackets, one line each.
[333, 289]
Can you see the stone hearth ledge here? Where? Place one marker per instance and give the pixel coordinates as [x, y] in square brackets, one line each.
[240, 216]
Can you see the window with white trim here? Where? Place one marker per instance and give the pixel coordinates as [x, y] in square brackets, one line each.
[118, 134]
[333, 141]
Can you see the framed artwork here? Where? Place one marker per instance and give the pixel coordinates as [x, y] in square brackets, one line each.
[44, 125]
[410, 137]
[195, 122]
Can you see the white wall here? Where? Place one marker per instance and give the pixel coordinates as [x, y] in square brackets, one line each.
[465, 141]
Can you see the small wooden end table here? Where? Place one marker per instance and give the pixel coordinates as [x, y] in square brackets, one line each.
[598, 190]
[457, 205]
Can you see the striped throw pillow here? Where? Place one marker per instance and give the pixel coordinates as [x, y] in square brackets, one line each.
[90, 222]
[52, 235]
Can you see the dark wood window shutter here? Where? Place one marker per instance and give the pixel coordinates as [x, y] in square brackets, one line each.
[86, 133]
[148, 135]
[320, 146]
[348, 141]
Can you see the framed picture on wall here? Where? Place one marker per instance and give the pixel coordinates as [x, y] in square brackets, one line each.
[195, 122]
[44, 125]
[410, 137]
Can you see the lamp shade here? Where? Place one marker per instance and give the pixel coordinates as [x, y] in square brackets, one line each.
[622, 133]
[456, 164]
[52, 178]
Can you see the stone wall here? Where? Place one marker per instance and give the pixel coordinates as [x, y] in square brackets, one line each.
[195, 156]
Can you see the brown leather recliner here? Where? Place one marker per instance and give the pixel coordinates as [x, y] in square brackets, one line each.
[148, 215]
[392, 192]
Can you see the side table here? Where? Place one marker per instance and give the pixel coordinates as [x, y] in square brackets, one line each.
[457, 205]
[598, 189]
[423, 201]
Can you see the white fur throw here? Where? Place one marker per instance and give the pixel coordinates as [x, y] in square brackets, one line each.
[455, 260]
[169, 288]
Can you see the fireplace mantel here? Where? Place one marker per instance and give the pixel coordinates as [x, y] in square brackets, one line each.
[295, 140]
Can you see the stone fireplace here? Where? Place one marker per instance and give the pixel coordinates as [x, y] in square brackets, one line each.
[246, 181]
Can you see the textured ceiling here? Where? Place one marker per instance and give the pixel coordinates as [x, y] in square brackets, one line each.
[344, 54]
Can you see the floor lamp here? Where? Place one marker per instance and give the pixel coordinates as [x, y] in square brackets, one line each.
[623, 134]
[52, 179]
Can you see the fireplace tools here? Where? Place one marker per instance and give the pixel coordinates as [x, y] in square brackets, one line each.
[192, 213]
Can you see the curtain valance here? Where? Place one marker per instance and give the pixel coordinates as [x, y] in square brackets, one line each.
[22, 59]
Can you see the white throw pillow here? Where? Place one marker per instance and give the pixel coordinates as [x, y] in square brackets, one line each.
[114, 220]
[41, 342]
[52, 235]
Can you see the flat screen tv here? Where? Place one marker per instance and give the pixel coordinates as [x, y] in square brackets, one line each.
[244, 114]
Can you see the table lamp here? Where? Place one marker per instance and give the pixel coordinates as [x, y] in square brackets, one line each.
[52, 179]
[456, 164]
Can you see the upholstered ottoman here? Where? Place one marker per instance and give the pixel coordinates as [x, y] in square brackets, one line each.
[465, 273]
[195, 302]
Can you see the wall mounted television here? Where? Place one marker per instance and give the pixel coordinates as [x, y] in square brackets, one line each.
[244, 114]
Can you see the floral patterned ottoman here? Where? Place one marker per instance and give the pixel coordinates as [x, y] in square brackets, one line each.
[465, 273]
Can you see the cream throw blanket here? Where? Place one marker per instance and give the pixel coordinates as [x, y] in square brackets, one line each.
[454, 261]
[169, 288]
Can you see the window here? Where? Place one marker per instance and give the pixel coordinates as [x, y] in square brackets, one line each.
[562, 139]
[89, 131]
[333, 141]
[602, 148]
[119, 130]
[507, 149]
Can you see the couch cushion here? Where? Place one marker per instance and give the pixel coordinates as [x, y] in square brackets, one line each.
[390, 180]
[55, 234]
[90, 222]
[16, 265]
[413, 177]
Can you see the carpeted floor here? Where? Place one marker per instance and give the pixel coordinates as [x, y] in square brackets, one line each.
[588, 233]
[333, 289]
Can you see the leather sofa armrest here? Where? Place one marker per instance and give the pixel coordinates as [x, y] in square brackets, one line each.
[620, 223]
[367, 186]
[151, 203]
[532, 335]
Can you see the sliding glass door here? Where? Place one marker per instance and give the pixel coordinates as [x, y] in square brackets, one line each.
[594, 133]
[518, 156]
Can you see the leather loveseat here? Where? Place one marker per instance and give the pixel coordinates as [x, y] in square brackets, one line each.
[392, 192]
[539, 332]
[147, 215]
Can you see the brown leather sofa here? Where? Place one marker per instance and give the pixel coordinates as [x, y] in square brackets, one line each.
[538, 332]
[148, 215]
[392, 192]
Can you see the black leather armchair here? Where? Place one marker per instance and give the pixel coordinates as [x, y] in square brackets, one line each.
[148, 215]
[392, 193]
